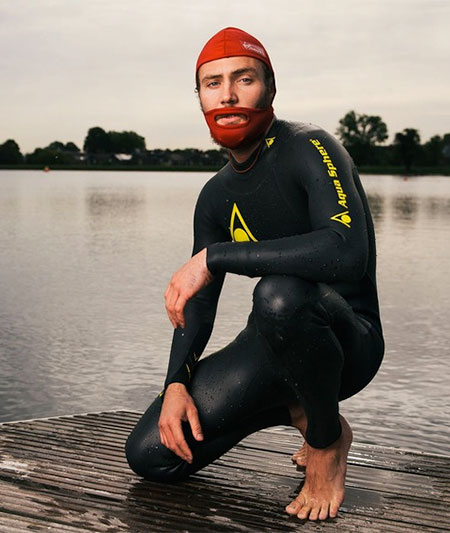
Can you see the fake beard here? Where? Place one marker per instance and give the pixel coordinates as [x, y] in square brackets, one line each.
[236, 135]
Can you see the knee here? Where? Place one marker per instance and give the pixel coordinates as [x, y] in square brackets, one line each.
[153, 461]
[287, 308]
[278, 298]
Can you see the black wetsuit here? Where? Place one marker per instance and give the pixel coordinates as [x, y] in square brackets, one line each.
[294, 214]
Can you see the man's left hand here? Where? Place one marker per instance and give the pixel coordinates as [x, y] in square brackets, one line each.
[184, 284]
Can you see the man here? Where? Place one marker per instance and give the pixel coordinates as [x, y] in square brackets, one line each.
[288, 208]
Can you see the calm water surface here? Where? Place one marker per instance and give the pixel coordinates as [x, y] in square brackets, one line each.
[84, 261]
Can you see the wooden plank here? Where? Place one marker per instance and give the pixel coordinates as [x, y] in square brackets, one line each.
[20, 524]
[385, 458]
[70, 472]
[136, 515]
[254, 461]
[369, 455]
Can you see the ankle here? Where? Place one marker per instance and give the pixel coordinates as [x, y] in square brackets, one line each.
[298, 418]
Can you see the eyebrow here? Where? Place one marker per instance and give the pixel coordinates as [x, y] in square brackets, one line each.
[235, 73]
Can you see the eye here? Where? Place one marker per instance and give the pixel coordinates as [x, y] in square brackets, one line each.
[246, 80]
[212, 84]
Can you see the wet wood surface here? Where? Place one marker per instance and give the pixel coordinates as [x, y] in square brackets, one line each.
[69, 474]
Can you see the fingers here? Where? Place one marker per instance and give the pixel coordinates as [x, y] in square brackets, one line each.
[171, 296]
[181, 447]
[163, 438]
[172, 437]
[194, 421]
[179, 310]
[175, 304]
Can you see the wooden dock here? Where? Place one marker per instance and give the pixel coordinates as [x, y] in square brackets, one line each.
[69, 474]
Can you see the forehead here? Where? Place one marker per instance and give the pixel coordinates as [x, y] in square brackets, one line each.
[227, 65]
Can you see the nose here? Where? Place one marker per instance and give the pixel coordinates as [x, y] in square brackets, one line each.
[229, 96]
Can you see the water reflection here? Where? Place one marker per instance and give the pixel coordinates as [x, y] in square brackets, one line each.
[86, 259]
[405, 207]
[437, 207]
[107, 204]
[377, 206]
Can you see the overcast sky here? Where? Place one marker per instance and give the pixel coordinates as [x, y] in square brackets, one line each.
[68, 65]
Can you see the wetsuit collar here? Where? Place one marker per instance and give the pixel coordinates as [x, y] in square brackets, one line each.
[250, 162]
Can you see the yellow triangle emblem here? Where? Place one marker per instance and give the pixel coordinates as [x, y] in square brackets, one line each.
[269, 141]
[343, 218]
[239, 230]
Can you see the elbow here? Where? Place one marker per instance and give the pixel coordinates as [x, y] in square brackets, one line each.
[357, 267]
[357, 260]
[354, 259]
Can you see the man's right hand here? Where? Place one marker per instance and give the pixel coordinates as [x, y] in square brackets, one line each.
[184, 284]
[178, 406]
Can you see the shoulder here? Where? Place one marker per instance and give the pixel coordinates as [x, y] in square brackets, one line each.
[213, 186]
[308, 143]
[306, 132]
[211, 194]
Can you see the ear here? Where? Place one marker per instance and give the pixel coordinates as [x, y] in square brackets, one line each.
[272, 92]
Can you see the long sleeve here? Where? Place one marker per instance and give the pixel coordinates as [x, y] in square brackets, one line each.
[200, 311]
[336, 248]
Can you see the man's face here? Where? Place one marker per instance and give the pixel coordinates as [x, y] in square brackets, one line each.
[232, 81]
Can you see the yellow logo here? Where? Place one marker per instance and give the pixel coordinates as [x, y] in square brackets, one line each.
[239, 230]
[270, 141]
[343, 218]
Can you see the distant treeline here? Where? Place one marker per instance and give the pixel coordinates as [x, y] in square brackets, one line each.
[363, 135]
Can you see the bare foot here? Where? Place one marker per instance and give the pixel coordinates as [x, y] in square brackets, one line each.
[324, 488]
[300, 457]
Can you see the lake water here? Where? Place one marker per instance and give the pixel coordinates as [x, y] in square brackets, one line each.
[84, 261]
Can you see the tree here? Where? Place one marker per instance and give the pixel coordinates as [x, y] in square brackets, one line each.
[408, 146]
[446, 147]
[56, 146]
[126, 142]
[10, 153]
[71, 147]
[97, 141]
[432, 151]
[100, 142]
[360, 134]
[48, 156]
[56, 153]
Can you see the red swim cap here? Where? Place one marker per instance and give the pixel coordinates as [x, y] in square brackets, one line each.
[231, 42]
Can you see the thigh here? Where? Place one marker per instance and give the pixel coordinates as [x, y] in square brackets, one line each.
[236, 383]
[362, 344]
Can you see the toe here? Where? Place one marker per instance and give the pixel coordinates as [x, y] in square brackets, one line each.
[293, 507]
[304, 512]
[314, 514]
[323, 515]
[334, 508]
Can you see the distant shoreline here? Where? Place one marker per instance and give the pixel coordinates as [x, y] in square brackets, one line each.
[395, 170]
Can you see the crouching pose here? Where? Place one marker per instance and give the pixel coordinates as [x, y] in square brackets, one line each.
[287, 208]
